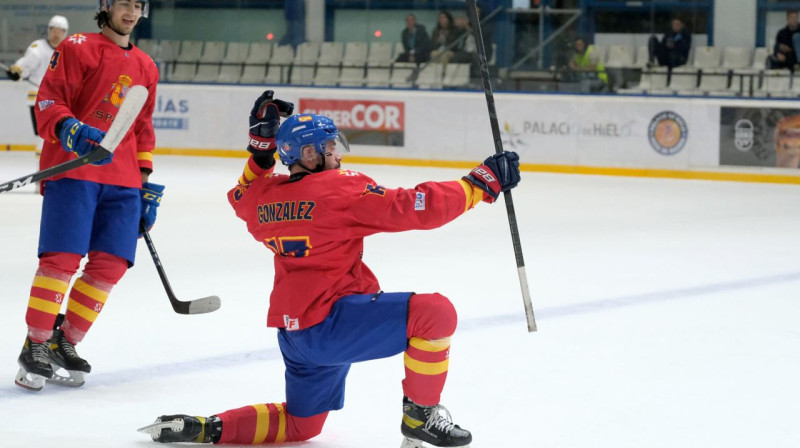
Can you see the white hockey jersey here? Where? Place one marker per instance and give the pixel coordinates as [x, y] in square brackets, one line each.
[35, 61]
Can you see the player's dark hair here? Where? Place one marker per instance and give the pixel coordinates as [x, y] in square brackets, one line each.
[102, 18]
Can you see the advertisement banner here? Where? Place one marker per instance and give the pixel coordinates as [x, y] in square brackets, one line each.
[364, 122]
[600, 132]
[759, 136]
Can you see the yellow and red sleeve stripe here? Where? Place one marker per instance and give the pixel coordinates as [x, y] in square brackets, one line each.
[252, 171]
[473, 194]
[145, 160]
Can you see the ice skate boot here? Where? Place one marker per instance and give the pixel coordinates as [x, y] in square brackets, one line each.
[69, 369]
[184, 428]
[34, 365]
[432, 425]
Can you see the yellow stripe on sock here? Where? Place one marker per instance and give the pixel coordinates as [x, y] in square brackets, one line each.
[44, 306]
[281, 424]
[426, 368]
[90, 291]
[435, 345]
[262, 423]
[81, 310]
[50, 283]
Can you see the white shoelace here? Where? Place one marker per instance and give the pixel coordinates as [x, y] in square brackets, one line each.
[68, 348]
[440, 419]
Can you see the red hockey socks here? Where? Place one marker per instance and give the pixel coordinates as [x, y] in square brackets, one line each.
[89, 293]
[431, 321]
[268, 423]
[47, 293]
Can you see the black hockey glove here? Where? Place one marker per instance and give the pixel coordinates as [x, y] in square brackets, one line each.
[264, 123]
[14, 73]
[497, 174]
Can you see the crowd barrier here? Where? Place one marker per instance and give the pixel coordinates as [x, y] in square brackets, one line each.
[736, 139]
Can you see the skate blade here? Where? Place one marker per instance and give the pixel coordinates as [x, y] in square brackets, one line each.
[73, 378]
[29, 381]
[154, 429]
[416, 443]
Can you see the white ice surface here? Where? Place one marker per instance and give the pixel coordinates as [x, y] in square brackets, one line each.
[668, 316]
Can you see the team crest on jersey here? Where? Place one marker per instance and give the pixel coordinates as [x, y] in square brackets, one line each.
[239, 192]
[374, 189]
[118, 91]
[77, 39]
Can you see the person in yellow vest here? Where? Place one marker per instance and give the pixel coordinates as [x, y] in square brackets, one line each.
[588, 69]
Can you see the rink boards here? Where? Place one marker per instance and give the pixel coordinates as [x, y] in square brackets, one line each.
[631, 135]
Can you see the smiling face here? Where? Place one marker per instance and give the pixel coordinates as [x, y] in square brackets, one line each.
[123, 15]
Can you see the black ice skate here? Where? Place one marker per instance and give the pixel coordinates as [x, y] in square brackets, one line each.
[34, 365]
[69, 369]
[430, 424]
[184, 428]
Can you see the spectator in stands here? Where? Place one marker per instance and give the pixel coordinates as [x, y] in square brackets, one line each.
[787, 44]
[445, 34]
[295, 13]
[586, 69]
[416, 43]
[468, 52]
[673, 50]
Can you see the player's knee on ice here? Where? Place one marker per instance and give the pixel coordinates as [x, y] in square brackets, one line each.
[431, 316]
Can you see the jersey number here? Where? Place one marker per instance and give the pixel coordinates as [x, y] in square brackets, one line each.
[54, 60]
[289, 246]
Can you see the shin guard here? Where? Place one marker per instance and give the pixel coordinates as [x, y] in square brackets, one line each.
[268, 423]
[90, 292]
[47, 292]
[431, 321]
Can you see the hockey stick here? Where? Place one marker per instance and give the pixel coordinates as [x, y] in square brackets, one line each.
[197, 306]
[472, 12]
[134, 100]
[8, 69]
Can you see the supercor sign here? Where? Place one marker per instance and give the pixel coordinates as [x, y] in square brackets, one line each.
[358, 114]
[365, 122]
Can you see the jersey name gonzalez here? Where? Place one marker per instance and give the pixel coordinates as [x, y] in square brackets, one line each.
[285, 211]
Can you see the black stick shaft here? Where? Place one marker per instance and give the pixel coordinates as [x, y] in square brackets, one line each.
[472, 12]
[196, 306]
[176, 304]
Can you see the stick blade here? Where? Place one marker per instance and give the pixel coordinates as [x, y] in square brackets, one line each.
[134, 101]
[199, 306]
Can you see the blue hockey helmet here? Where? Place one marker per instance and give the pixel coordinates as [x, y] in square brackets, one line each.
[302, 130]
[105, 4]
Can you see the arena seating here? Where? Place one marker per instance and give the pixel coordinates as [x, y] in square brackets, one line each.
[715, 71]
[711, 71]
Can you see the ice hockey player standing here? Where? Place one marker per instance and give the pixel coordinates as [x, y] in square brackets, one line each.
[326, 303]
[33, 64]
[95, 209]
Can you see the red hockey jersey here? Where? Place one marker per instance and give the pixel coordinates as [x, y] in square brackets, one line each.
[316, 228]
[88, 78]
